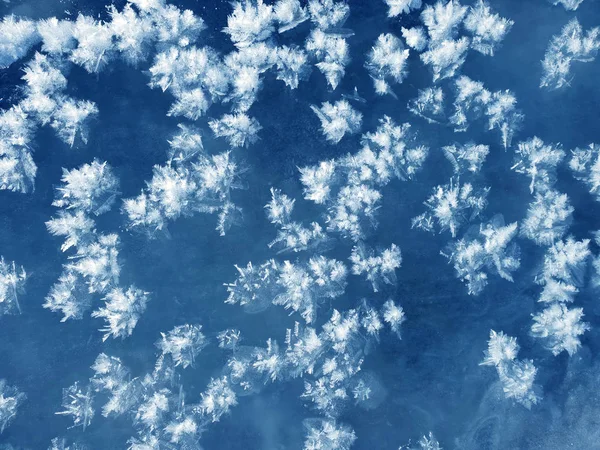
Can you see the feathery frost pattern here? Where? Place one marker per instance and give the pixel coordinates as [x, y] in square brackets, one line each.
[516, 376]
[387, 184]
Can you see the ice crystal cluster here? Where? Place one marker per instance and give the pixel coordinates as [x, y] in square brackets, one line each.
[516, 376]
[298, 224]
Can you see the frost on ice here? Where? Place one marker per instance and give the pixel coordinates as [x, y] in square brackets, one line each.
[451, 206]
[292, 235]
[538, 161]
[94, 267]
[324, 434]
[250, 22]
[488, 29]
[429, 105]
[10, 401]
[387, 62]
[397, 7]
[428, 442]
[378, 267]
[191, 181]
[585, 164]
[183, 343]
[472, 101]
[571, 45]
[289, 14]
[332, 53]
[559, 327]
[338, 119]
[548, 217]
[300, 287]
[349, 186]
[489, 250]
[122, 310]
[12, 281]
[446, 47]
[17, 169]
[466, 158]
[17, 36]
[516, 376]
[78, 403]
[90, 189]
[240, 130]
[569, 5]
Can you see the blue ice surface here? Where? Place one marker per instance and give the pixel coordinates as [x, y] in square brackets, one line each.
[431, 377]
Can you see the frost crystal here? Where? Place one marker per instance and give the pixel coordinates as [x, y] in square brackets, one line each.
[331, 52]
[387, 60]
[217, 400]
[92, 188]
[443, 19]
[192, 181]
[70, 120]
[78, 403]
[338, 119]
[122, 311]
[566, 261]
[133, 34]
[326, 434]
[10, 401]
[563, 272]
[585, 164]
[492, 250]
[289, 14]
[353, 212]
[560, 328]
[250, 22]
[488, 29]
[12, 280]
[451, 206]
[425, 443]
[57, 35]
[446, 57]
[112, 376]
[397, 7]
[17, 169]
[473, 101]
[69, 296]
[292, 65]
[378, 268]
[429, 104]
[305, 288]
[183, 343]
[240, 130]
[548, 217]
[328, 14]
[387, 153]
[299, 287]
[565, 48]
[466, 158]
[95, 45]
[538, 161]
[393, 315]
[292, 236]
[349, 185]
[97, 263]
[569, 5]
[229, 338]
[17, 36]
[516, 376]
[61, 444]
